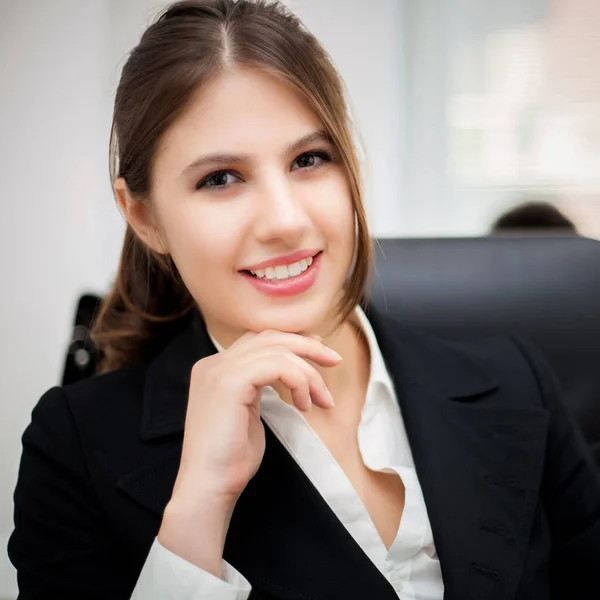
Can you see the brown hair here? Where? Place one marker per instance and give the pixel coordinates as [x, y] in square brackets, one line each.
[189, 42]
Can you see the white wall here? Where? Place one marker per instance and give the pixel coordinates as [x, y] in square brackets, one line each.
[59, 230]
[365, 43]
[54, 112]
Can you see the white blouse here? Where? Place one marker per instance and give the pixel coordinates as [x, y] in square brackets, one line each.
[411, 565]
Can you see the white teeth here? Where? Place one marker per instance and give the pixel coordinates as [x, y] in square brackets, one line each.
[284, 271]
[295, 269]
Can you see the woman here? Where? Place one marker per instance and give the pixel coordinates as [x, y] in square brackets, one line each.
[194, 466]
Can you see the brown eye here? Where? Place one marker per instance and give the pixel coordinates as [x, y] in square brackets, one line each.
[311, 160]
[217, 180]
[308, 160]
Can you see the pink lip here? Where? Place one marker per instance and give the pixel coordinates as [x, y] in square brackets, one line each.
[288, 259]
[287, 287]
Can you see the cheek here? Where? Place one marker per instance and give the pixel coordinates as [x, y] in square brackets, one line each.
[336, 211]
[196, 240]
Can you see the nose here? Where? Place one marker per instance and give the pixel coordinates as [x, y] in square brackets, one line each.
[280, 215]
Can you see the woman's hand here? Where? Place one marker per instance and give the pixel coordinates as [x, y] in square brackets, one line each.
[224, 439]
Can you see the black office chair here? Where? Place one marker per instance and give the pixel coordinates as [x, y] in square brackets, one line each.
[82, 356]
[544, 288]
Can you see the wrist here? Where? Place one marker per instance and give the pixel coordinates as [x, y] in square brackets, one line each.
[191, 497]
[196, 508]
[196, 531]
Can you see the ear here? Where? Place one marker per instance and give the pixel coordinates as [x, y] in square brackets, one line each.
[139, 216]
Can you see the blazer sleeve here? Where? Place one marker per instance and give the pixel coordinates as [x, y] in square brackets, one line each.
[570, 493]
[58, 546]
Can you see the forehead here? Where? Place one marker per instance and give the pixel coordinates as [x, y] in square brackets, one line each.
[241, 112]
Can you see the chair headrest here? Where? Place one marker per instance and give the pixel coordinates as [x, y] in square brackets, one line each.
[544, 288]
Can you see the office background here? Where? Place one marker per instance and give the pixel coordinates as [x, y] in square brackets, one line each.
[465, 107]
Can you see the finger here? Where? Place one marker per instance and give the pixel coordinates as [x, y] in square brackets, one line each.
[317, 391]
[299, 389]
[269, 368]
[300, 345]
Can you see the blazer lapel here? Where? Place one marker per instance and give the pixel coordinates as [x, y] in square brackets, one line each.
[283, 536]
[288, 542]
[479, 465]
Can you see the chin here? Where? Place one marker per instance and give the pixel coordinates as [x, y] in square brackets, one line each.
[291, 319]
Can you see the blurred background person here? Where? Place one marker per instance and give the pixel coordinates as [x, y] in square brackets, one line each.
[534, 217]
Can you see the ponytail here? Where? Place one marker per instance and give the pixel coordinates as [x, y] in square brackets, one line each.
[145, 307]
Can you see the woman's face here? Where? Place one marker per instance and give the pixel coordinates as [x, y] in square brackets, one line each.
[246, 192]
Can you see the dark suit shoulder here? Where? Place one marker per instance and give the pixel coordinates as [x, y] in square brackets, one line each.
[106, 386]
[518, 366]
[460, 367]
[103, 411]
[504, 358]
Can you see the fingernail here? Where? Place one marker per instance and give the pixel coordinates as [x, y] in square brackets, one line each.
[330, 397]
[316, 337]
[334, 354]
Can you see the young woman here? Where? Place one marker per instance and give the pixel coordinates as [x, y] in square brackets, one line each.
[256, 434]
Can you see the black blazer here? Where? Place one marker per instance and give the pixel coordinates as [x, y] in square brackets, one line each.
[512, 496]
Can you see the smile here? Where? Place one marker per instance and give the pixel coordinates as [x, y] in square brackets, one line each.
[284, 271]
[285, 279]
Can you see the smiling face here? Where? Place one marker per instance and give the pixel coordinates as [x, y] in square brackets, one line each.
[254, 206]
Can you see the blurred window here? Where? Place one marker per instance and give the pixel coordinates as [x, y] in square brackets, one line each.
[519, 87]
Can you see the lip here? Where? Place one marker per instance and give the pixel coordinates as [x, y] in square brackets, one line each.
[287, 259]
[287, 287]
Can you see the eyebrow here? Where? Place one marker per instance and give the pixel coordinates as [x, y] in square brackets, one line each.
[227, 159]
